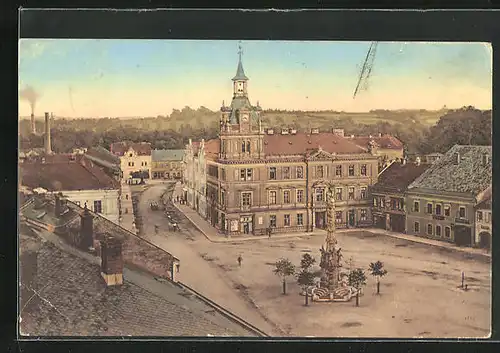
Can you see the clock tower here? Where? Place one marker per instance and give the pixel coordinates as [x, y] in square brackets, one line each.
[241, 131]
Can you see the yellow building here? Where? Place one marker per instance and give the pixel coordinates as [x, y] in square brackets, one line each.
[166, 164]
[259, 179]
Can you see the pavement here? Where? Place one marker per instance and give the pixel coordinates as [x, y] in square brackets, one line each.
[212, 235]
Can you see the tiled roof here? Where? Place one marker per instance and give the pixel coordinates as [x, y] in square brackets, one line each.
[384, 141]
[242, 103]
[60, 172]
[212, 148]
[397, 176]
[470, 175]
[103, 154]
[120, 148]
[485, 201]
[240, 73]
[297, 144]
[76, 302]
[166, 155]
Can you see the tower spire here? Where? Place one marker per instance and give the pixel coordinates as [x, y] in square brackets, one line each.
[240, 73]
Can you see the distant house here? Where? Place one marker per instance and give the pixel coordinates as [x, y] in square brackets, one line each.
[387, 147]
[195, 175]
[135, 158]
[389, 195]
[166, 164]
[106, 160]
[77, 178]
[483, 229]
[441, 201]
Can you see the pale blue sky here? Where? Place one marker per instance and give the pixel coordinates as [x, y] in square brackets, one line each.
[152, 77]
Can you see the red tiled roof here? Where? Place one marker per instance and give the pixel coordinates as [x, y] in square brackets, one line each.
[120, 148]
[212, 148]
[60, 172]
[384, 141]
[298, 144]
[398, 176]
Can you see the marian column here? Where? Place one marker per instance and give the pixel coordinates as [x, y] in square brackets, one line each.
[330, 256]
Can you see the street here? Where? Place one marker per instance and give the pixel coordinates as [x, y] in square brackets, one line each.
[194, 270]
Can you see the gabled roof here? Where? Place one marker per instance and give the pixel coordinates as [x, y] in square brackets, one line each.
[103, 154]
[212, 148]
[120, 148]
[65, 172]
[384, 141]
[299, 143]
[166, 155]
[397, 177]
[470, 175]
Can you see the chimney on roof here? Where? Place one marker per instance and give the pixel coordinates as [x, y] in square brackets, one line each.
[33, 125]
[111, 260]
[48, 149]
[86, 229]
[417, 161]
[28, 263]
[456, 158]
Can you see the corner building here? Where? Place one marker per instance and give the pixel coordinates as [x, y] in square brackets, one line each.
[259, 178]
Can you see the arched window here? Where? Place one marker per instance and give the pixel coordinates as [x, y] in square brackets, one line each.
[248, 146]
[243, 147]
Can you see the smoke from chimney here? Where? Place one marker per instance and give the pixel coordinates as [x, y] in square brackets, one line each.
[30, 95]
[48, 148]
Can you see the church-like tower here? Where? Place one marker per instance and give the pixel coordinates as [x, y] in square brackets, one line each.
[241, 134]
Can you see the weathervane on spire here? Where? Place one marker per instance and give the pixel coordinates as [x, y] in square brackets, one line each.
[240, 49]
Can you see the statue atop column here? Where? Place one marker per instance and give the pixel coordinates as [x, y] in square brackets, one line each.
[330, 255]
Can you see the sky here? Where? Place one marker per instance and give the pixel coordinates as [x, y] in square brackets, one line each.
[124, 78]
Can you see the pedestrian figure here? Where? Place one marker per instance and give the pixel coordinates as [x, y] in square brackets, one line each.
[178, 265]
[156, 229]
[239, 260]
[269, 232]
[177, 198]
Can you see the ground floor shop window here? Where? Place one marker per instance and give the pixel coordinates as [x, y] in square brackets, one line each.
[300, 219]
[438, 231]
[362, 215]
[272, 221]
[416, 227]
[429, 229]
[338, 217]
[286, 220]
[447, 232]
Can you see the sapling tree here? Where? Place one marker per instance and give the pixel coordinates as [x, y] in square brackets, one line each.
[284, 268]
[305, 277]
[377, 270]
[357, 279]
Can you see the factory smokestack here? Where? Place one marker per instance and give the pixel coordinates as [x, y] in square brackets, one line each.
[48, 149]
[33, 126]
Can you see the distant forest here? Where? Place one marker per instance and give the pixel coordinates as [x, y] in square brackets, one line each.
[421, 131]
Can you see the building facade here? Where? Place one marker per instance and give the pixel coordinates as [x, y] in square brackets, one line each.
[258, 179]
[441, 202]
[483, 228]
[386, 147]
[166, 164]
[195, 176]
[389, 195]
[135, 158]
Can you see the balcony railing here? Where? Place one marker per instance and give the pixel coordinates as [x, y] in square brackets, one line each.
[462, 221]
[438, 217]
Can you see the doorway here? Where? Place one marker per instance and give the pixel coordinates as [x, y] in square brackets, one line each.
[398, 223]
[351, 218]
[246, 224]
[463, 235]
[485, 240]
[320, 219]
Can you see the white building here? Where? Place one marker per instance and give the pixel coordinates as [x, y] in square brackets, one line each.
[77, 178]
[134, 158]
[195, 176]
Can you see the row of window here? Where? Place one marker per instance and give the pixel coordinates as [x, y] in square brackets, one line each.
[438, 209]
[143, 164]
[246, 197]
[394, 203]
[320, 171]
[339, 218]
[433, 231]
[484, 216]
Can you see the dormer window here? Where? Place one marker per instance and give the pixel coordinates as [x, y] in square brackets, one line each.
[130, 154]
